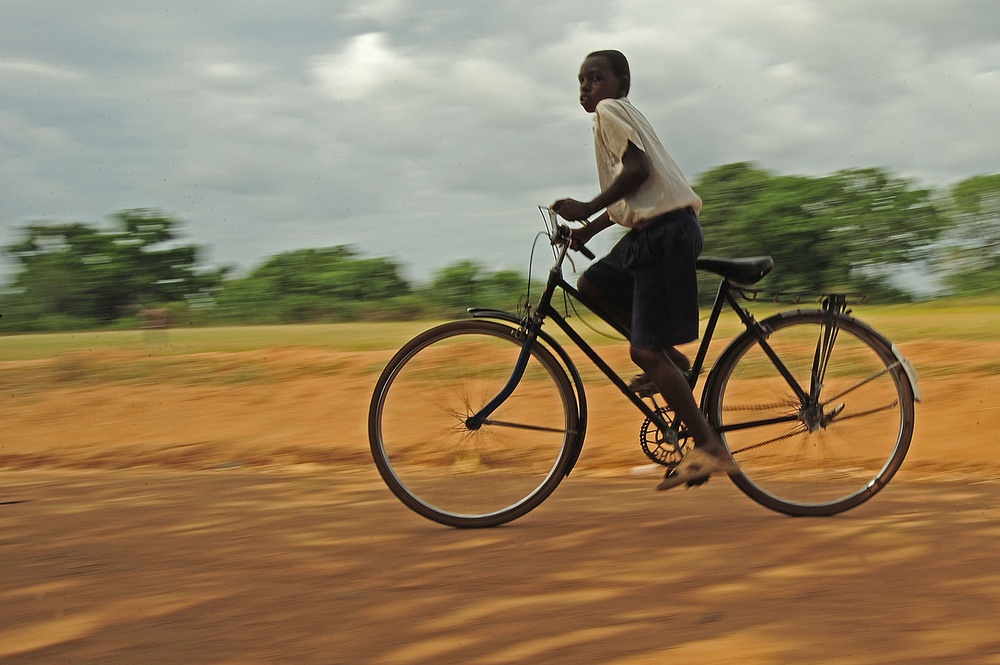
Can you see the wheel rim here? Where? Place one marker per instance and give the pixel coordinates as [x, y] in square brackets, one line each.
[436, 463]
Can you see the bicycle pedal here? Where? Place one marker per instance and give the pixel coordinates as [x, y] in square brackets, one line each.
[697, 482]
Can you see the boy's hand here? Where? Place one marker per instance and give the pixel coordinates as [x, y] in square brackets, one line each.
[580, 236]
[572, 210]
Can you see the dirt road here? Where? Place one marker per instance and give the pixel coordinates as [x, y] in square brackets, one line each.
[223, 509]
[323, 565]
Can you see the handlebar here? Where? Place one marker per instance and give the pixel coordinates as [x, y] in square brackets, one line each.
[559, 234]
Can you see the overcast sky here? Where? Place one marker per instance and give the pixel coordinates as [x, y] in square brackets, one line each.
[427, 130]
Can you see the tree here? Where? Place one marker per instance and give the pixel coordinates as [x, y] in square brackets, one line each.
[884, 223]
[81, 275]
[971, 252]
[457, 286]
[331, 283]
[466, 284]
[848, 231]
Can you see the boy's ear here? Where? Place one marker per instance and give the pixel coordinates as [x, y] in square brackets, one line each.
[624, 86]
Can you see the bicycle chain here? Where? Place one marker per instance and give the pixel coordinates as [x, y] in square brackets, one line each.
[664, 452]
[759, 407]
[755, 446]
[761, 444]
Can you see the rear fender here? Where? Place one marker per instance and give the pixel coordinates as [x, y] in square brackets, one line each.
[911, 372]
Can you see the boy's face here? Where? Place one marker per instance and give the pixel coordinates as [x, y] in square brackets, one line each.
[597, 82]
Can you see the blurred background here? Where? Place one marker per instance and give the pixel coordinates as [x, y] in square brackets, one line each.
[321, 161]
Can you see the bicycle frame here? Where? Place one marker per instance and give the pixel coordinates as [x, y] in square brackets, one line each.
[833, 305]
[531, 326]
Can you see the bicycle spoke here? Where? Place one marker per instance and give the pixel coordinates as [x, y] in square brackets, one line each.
[870, 412]
[535, 428]
[856, 386]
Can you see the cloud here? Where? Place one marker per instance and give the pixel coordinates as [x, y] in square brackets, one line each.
[366, 64]
[36, 68]
[380, 11]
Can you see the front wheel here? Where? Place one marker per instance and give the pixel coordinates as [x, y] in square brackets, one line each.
[457, 472]
[830, 432]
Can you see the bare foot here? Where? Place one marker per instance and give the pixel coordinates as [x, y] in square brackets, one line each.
[696, 467]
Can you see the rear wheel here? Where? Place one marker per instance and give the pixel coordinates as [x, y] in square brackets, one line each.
[817, 455]
[462, 475]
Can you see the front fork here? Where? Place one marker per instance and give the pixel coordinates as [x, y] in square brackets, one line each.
[528, 336]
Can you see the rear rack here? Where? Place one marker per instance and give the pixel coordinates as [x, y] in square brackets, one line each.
[797, 297]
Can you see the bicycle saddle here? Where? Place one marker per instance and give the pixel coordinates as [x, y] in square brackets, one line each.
[740, 271]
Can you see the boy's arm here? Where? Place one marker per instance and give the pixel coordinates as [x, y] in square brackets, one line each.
[635, 170]
[582, 235]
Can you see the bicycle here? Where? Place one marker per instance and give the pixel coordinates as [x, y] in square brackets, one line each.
[474, 423]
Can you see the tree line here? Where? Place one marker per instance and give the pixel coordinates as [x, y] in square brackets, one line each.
[859, 230]
[75, 276]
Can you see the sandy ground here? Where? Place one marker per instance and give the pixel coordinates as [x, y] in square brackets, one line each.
[238, 520]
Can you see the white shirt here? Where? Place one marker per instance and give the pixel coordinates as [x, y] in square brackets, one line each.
[615, 124]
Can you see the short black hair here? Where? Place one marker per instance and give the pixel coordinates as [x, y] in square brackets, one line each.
[619, 65]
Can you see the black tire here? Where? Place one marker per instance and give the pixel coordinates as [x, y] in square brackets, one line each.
[472, 477]
[821, 460]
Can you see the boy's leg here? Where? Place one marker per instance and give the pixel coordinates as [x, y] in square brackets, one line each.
[621, 314]
[674, 388]
[665, 304]
[623, 317]
[679, 360]
[709, 455]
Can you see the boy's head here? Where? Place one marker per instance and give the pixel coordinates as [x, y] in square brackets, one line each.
[603, 75]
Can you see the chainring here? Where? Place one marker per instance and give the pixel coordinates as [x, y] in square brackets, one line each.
[667, 448]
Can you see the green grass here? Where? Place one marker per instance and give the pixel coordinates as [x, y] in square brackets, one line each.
[185, 341]
[938, 320]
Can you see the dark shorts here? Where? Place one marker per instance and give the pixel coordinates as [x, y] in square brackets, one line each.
[652, 273]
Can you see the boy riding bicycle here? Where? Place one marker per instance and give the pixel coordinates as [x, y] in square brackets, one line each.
[648, 281]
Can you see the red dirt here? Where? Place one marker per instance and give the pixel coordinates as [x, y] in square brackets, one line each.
[242, 523]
